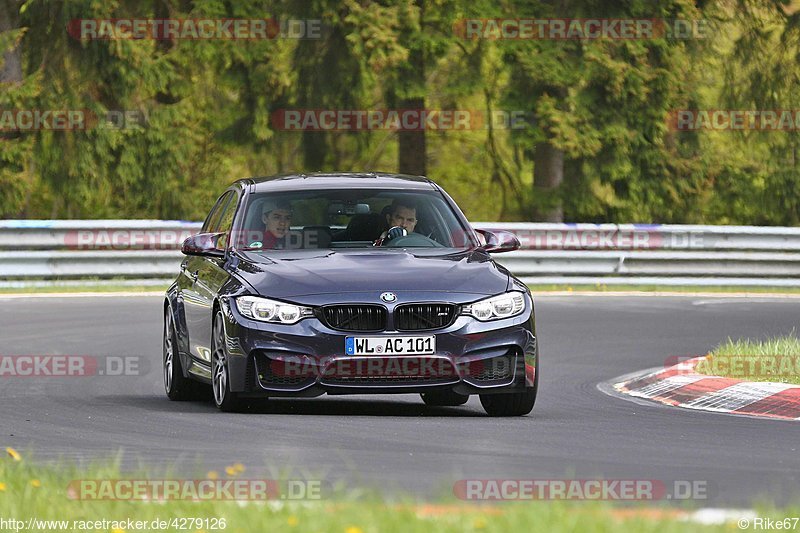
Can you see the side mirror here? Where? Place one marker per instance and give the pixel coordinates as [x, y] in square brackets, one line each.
[499, 241]
[204, 244]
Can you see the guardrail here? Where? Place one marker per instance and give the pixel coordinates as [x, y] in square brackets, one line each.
[550, 253]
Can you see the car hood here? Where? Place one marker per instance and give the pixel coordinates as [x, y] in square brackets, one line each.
[288, 274]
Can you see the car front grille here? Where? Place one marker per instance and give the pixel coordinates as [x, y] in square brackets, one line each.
[377, 370]
[377, 380]
[492, 369]
[272, 373]
[414, 317]
[355, 317]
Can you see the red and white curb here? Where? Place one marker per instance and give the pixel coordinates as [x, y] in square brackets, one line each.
[681, 386]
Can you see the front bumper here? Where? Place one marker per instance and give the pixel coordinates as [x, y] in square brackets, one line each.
[308, 358]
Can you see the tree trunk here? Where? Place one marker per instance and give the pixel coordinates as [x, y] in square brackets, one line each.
[548, 173]
[412, 153]
[11, 72]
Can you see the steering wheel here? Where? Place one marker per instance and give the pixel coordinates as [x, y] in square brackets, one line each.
[412, 240]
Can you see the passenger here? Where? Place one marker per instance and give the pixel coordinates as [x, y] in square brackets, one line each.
[277, 217]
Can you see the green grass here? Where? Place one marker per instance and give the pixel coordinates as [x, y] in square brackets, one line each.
[773, 359]
[88, 287]
[663, 288]
[31, 491]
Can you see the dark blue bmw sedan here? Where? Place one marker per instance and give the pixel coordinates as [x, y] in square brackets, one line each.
[348, 283]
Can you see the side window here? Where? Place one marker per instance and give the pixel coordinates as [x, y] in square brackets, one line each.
[226, 220]
[212, 222]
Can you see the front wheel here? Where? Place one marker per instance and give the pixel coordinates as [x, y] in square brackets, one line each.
[177, 386]
[224, 399]
[514, 404]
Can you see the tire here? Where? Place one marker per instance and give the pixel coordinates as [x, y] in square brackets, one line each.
[224, 399]
[514, 404]
[443, 398]
[177, 386]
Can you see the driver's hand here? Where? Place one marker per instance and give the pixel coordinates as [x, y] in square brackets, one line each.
[397, 231]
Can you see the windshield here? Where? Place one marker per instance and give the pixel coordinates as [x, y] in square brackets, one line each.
[347, 218]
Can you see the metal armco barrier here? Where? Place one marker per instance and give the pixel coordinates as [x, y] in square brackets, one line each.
[94, 234]
[550, 253]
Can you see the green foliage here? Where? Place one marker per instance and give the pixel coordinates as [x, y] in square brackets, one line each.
[207, 108]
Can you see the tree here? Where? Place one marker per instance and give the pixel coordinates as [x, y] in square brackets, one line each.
[11, 71]
[600, 108]
[760, 72]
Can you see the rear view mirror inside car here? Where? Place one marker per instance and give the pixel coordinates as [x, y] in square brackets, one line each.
[339, 208]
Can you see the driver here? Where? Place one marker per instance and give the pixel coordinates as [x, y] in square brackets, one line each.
[402, 219]
[277, 217]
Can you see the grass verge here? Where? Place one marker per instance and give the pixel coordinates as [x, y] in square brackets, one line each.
[774, 359]
[72, 289]
[32, 492]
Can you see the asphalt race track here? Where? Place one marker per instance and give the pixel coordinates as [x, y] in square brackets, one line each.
[394, 442]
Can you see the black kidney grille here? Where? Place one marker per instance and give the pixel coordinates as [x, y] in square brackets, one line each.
[355, 317]
[413, 317]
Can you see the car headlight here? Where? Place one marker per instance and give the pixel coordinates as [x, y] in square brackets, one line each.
[497, 307]
[266, 310]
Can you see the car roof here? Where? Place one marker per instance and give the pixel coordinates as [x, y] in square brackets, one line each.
[338, 180]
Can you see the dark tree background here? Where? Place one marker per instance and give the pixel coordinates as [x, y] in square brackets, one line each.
[595, 144]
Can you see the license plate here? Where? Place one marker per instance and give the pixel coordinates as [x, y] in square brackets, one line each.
[390, 345]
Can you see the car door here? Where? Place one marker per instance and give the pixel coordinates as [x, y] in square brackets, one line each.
[197, 296]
